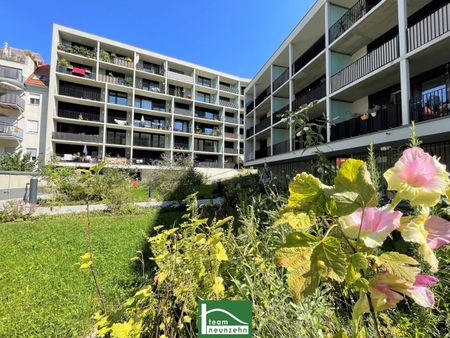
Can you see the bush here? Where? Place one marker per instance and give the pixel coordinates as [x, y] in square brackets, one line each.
[115, 185]
[15, 211]
[18, 161]
[240, 189]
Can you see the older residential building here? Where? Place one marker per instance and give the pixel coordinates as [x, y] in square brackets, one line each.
[125, 105]
[23, 100]
[371, 66]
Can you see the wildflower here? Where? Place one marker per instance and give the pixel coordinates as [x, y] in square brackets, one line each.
[420, 292]
[431, 232]
[418, 177]
[374, 228]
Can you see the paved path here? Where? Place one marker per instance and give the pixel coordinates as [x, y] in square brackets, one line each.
[69, 209]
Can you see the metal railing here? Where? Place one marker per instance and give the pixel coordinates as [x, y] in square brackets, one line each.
[278, 115]
[207, 117]
[280, 80]
[207, 164]
[57, 135]
[187, 93]
[370, 62]
[127, 81]
[156, 89]
[262, 125]
[249, 107]
[310, 54]
[261, 153]
[182, 111]
[261, 97]
[119, 61]
[360, 9]
[77, 115]
[250, 131]
[152, 125]
[11, 130]
[182, 130]
[10, 73]
[230, 104]
[309, 95]
[80, 92]
[429, 28]
[150, 69]
[181, 146]
[386, 118]
[281, 147]
[69, 70]
[180, 77]
[206, 148]
[230, 89]
[231, 135]
[12, 99]
[230, 119]
[148, 143]
[118, 139]
[231, 151]
[430, 105]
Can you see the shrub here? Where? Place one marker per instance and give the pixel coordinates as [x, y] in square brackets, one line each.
[18, 161]
[15, 211]
[115, 185]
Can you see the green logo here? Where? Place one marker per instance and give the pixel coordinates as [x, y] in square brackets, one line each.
[225, 318]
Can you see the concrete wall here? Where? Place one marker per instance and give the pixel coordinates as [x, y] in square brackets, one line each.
[13, 184]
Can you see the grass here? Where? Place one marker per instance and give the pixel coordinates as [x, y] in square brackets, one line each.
[43, 291]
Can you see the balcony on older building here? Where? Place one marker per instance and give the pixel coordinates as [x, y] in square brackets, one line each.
[9, 131]
[12, 76]
[12, 101]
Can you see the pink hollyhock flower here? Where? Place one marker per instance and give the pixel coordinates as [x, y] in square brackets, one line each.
[431, 232]
[420, 292]
[418, 177]
[375, 227]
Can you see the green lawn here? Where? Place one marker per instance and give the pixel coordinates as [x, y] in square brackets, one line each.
[43, 291]
[140, 194]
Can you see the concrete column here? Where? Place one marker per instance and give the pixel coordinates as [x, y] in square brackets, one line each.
[291, 89]
[328, 68]
[404, 62]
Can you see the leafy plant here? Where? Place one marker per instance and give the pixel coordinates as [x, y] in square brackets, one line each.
[105, 56]
[13, 211]
[18, 161]
[340, 236]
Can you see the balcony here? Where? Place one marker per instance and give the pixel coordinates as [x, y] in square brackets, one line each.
[207, 164]
[365, 65]
[249, 157]
[11, 75]
[117, 160]
[77, 115]
[231, 151]
[360, 9]
[185, 93]
[78, 50]
[180, 77]
[126, 81]
[79, 72]
[278, 115]
[230, 119]
[184, 129]
[262, 125]
[231, 135]
[181, 146]
[158, 70]
[250, 132]
[386, 118]
[13, 56]
[310, 95]
[261, 97]
[230, 89]
[211, 117]
[80, 92]
[281, 147]
[208, 132]
[310, 54]
[280, 80]
[12, 101]
[182, 111]
[148, 143]
[108, 57]
[76, 137]
[430, 28]
[117, 139]
[151, 88]
[249, 107]
[10, 131]
[230, 104]
[430, 106]
[261, 153]
[151, 125]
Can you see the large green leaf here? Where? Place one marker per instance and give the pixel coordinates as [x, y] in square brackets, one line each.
[354, 177]
[399, 265]
[306, 193]
[296, 219]
[357, 263]
[328, 259]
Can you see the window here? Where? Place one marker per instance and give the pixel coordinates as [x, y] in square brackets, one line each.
[204, 81]
[225, 99]
[150, 85]
[181, 126]
[35, 99]
[151, 67]
[203, 97]
[32, 127]
[32, 152]
[117, 97]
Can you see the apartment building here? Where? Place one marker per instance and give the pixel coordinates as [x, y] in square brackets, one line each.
[371, 66]
[23, 100]
[128, 106]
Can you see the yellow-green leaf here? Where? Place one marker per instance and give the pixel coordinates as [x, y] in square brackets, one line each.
[399, 265]
[218, 287]
[357, 262]
[306, 193]
[296, 219]
[221, 254]
[328, 259]
[121, 330]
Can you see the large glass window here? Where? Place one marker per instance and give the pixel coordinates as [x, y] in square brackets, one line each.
[204, 81]
[203, 97]
[117, 97]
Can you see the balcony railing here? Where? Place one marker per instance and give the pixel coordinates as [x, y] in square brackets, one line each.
[148, 143]
[207, 117]
[210, 149]
[230, 104]
[230, 89]
[119, 120]
[9, 130]
[231, 151]
[117, 160]
[249, 107]
[76, 137]
[278, 115]
[262, 125]
[127, 81]
[118, 139]
[280, 80]
[360, 9]
[151, 125]
[430, 28]
[386, 118]
[230, 119]
[186, 93]
[12, 74]
[11, 99]
[78, 50]
[185, 129]
[310, 54]
[281, 147]
[431, 105]
[151, 88]
[250, 131]
[13, 56]
[370, 62]
[207, 164]
[261, 97]
[261, 153]
[151, 69]
[182, 111]
[312, 94]
[79, 72]
[207, 132]
[231, 135]
[181, 146]
[119, 61]
[79, 92]
[77, 115]
[180, 77]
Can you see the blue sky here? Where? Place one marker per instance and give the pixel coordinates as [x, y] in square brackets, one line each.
[234, 36]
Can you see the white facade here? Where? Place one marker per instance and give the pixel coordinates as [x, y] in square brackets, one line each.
[125, 105]
[372, 66]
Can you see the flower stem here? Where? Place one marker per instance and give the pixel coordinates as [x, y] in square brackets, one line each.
[374, 316]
